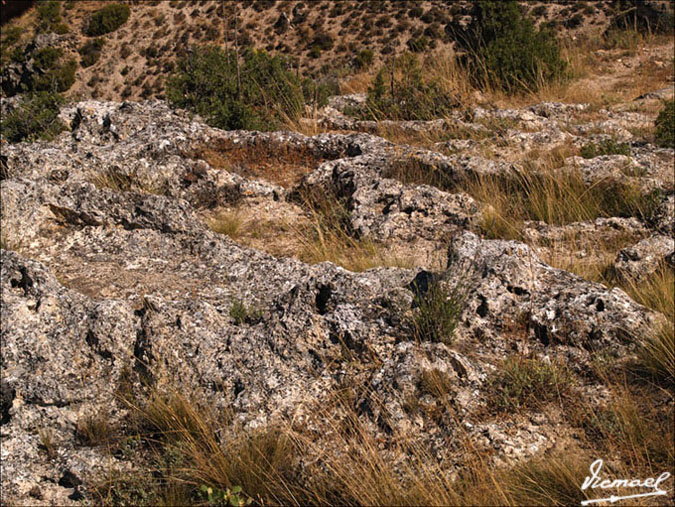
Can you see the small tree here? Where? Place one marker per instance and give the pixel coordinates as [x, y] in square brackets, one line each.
[206, 82]
[505, 49]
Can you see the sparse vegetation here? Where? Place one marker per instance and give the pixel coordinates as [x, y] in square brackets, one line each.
[49, 17]
[559, 197]
[36, 117]
[228, 223]
[106, 20]
[329, 236]
[53, 73]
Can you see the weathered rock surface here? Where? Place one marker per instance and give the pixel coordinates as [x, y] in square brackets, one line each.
[646, 257]
[110, 276]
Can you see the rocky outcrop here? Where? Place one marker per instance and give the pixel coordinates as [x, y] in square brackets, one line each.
[110, 277]
[645, 258]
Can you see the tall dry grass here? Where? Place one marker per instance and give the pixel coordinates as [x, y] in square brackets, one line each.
[336, 458]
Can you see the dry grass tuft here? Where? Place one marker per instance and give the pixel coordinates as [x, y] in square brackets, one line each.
[558, 197]
[229, 223]
[330, 237]
[95, 430]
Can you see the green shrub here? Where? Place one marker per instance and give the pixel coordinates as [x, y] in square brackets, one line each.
[408, 96]
[51, 73]
[665, 126]
[49, 15]
[91, 52]
[107, 20]
[605, 147]
[45, 59]
[206, 82]
[506, 50]
[437, 312]
[36, 117]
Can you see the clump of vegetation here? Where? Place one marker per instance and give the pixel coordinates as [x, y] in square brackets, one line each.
[259, 93]
[657, 352]
[606, 147]
[665, 126]
[401, 91]
[91, 51]
[435, 382]
[437, 312]
[522, 383]
[560, 197]
[242, 314]
[94, 430]
[49, 17]
[506, 51]
[316, 92]
[227, 496]
[106, 20]
[363, 59]
[51, 73]
[35, 118]
[228, 223]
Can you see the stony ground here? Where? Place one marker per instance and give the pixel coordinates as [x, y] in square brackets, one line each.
[113, 272]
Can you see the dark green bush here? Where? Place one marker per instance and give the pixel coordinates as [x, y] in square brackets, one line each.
[605, 147]
[506, 50]
[36, 117]
[206, 82]
[51, 73]
[408, 95]
[45, 59]
[665, 126]
[91, 51]
[107, 20]
[323, 41]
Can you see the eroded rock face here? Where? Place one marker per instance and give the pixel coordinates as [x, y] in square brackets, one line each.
[121, 282]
